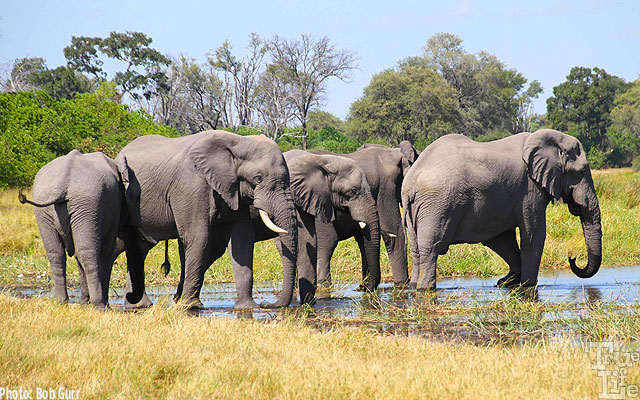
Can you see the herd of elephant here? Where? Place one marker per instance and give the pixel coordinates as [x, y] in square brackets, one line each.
[216, 190]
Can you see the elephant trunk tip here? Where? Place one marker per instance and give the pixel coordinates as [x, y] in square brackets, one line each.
[590, 270]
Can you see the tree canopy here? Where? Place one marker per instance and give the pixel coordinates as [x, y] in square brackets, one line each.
[446, 90]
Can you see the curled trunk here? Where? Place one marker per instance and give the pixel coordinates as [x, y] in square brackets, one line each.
[592, 230]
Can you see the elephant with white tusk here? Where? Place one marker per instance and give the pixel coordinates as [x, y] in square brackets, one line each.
[198, 189]
[461, 191]
[384, 168]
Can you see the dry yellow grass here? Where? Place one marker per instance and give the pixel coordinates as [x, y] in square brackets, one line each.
[164, 353]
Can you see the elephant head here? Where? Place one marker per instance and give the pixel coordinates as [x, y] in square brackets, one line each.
[324, 184]
[558, 163]
[252, 171]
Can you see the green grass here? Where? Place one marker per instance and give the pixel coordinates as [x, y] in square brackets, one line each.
[23, 260]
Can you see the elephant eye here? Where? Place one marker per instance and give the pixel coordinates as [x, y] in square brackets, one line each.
[258, 179]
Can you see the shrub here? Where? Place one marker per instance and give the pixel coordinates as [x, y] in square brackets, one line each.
[35, 128]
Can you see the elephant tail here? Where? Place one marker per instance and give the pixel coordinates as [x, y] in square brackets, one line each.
[23, 199]
[166, 265]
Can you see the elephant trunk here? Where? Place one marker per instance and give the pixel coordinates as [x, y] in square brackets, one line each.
[371, 242]
[283, 214]
[592, 229]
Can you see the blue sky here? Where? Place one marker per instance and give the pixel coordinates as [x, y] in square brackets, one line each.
[541, 39]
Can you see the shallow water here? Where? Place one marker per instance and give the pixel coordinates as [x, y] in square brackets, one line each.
[619, 286]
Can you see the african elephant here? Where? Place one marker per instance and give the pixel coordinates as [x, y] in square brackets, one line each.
[80, 208]
[384, 168]
[326, 188]
[198, 189]
[461, 191]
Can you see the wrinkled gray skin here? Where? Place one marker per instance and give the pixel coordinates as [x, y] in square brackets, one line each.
[198, 189]
[80, 209]
[324, 187]
[461, 191]
[384, 168]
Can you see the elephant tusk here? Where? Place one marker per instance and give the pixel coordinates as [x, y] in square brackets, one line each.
[267, 221]
[391, 235]
[362, 224]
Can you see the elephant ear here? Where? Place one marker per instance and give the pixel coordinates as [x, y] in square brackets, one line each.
[212, 158]
[544, 165]
[310, 187]
[408, 151]
[131, 190]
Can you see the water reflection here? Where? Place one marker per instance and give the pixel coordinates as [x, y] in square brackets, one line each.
[617, 286]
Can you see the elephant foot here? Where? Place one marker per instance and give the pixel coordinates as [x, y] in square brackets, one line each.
[142, 304]
[509, 281]
[245, 304]
[525, 293]
[365, 288]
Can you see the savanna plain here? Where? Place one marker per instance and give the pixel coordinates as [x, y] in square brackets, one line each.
[430, 347]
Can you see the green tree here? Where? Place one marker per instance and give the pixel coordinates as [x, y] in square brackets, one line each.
[411, 103]
[30, 74]
[142, 76]
[319, 120]
[624, 132]
[490, 97]
[581, 106]
[35, 128]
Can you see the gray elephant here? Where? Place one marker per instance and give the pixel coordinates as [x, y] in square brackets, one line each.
[198, 189]
[324, 186]
[325, 189]
[80, 208]
[461, 191]
[384, 168]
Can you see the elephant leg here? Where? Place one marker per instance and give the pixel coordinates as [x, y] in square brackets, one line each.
[178, 295]
[366, 279]
[415, 255]
[429, 248]
[198, 256]
[138, 255]
[397, 251]
[327, 242]
[84, 289]
[89, 254]
[307, 257]
[531, 246]
[391, 220]
[241, 254]
[54, 247]
[506, 246]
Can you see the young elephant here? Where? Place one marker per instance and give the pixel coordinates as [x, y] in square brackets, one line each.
[461, 191]
[329, 189]
[79, 208]
[384, 168]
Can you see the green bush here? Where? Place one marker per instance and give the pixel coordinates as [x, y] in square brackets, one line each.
[35, 128]
[635, 164]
